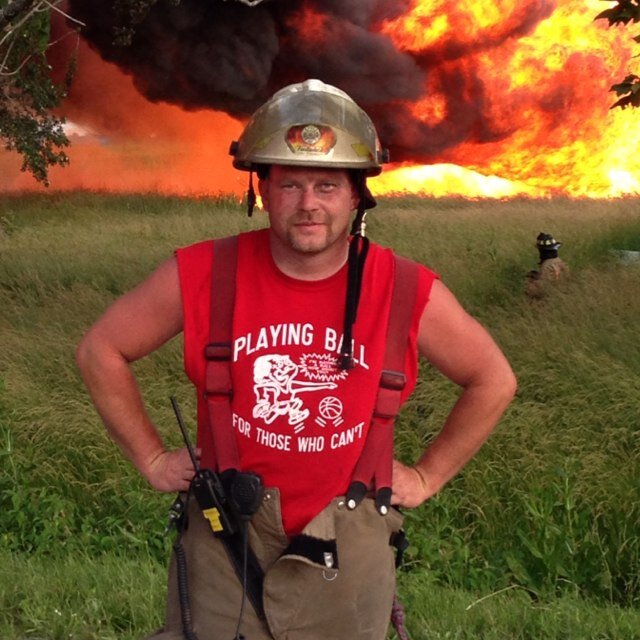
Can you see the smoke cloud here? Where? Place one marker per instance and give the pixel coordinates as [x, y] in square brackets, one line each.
[226, 56]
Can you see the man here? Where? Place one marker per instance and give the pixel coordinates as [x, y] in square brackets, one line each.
[307, 352]
[551, 267]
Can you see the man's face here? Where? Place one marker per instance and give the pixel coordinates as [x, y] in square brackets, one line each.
[309, 208]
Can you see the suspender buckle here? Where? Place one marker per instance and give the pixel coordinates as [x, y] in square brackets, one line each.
[393, 380]
[218, 371]
[389, 394]
[218, 351]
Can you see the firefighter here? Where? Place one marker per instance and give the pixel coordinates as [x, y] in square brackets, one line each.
[551, 268]
[303, 385]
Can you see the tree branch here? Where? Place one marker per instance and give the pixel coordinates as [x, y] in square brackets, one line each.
[13, 10]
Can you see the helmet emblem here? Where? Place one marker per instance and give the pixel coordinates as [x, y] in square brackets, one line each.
[310, 138]
[311, 134]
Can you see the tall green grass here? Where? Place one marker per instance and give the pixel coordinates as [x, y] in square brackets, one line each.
[549, 508]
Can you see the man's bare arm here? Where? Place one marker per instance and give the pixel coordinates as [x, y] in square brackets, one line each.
[459, 347]
[132, 327]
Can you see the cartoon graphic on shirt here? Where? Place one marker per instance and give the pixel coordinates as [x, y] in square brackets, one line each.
[276, 389]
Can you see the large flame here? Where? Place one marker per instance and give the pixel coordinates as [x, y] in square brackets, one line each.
[573, 145]
[542, 88]
[122, 142]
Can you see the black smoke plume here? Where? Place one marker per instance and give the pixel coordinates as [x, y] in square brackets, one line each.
[228, 56]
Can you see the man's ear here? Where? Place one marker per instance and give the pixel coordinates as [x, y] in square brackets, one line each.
[263, 190]
[355, 198]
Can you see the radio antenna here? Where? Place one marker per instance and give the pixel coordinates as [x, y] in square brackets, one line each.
[185, 435]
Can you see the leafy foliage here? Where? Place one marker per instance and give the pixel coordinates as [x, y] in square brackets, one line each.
[629, 89]
[624, 12]
[27, 93]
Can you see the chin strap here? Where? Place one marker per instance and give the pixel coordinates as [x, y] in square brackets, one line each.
[357, 255]
[251, 196]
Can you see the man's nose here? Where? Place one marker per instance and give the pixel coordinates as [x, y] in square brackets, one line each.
[308, 199]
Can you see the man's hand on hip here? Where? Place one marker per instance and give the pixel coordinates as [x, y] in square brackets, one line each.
[171, 470]
[410, 487]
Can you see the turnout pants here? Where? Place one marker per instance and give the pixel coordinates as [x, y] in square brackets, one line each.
[336, 581]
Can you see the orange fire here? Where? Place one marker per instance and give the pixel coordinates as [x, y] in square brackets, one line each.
[121, 142]
[573, 145]
[546, 126]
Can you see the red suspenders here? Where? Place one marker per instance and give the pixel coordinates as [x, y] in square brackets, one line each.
[218, 389]
[374, 467]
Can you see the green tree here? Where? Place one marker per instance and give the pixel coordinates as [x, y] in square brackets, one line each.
[623, 13]
[28, 95]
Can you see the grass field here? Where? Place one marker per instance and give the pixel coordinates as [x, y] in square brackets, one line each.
[539, 537]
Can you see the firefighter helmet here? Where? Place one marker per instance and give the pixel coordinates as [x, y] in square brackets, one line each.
[547, 241]
[310, 124]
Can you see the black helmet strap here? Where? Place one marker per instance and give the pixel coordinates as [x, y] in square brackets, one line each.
[358, 249]
[251, 195]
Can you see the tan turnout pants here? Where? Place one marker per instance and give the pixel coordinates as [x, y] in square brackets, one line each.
[303, 599]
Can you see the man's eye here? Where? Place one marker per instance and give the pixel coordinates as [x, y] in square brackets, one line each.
[327, 186]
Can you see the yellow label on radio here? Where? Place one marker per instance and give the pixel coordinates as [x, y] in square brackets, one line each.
[213, 516]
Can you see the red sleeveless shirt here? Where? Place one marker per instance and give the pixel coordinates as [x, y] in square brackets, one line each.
[299, 421]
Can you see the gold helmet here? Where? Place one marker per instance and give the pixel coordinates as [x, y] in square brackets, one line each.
[312, 124]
